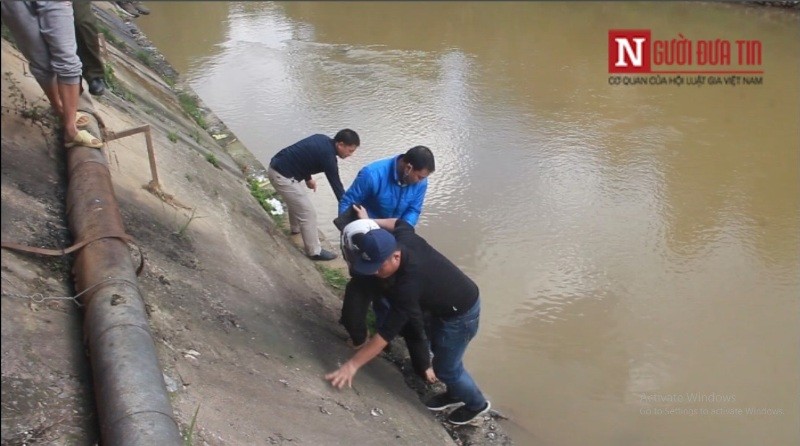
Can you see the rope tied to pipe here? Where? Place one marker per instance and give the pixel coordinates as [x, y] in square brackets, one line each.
[62, 252]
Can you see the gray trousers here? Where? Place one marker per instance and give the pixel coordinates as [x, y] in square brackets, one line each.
[302, 215]
[46, 37]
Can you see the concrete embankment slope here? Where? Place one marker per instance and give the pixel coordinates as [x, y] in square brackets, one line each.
[243, 323]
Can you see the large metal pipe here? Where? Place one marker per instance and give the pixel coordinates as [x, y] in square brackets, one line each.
[132, 401]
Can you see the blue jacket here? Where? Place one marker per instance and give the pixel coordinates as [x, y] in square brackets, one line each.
[378, 189]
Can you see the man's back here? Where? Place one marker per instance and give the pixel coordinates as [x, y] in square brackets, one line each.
[445, 289]
[425, 282]
[311, 155]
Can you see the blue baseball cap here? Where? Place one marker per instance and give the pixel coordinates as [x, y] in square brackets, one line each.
[374, 247]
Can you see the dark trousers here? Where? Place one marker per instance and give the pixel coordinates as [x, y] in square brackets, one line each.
[361, 291]
[86, 37]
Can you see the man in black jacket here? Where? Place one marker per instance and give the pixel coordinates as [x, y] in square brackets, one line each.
[370, 288]
[420, 279]
[294, 165]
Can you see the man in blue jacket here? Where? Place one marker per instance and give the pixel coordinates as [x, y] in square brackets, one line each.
[393, 187]
[294, 165]
[389, 188]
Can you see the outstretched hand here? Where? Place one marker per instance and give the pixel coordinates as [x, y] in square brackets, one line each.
[343, 376]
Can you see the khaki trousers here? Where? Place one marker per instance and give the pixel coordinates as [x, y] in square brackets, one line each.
[86, 37]
[302, 215]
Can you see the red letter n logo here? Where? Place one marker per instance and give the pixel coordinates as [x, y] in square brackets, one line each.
[629, 51]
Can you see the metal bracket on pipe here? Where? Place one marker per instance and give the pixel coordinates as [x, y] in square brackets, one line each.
[151, 154]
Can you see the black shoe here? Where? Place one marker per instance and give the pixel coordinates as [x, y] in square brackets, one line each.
[324, 255]
[97, 86]
[295, 232]
[443, 401]
[462, 415]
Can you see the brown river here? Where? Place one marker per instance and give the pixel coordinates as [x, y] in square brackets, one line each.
[637, 246]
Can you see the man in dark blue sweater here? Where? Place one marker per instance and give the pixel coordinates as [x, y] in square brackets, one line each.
[294, 165]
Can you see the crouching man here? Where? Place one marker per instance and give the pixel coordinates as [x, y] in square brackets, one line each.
[364, 290]
[420, 279]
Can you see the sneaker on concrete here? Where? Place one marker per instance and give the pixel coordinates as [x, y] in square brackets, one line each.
[462, 415]
[324, 255]
[443, 401]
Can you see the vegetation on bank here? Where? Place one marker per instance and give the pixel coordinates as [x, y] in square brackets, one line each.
[6, 34]
[212, 159]
[188, 433]
[265, 198]
[109, 36]
[115, 85]
[190, 106]
[16, 102]
[333, 277]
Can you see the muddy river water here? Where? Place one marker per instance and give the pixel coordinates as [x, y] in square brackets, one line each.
[636, 246]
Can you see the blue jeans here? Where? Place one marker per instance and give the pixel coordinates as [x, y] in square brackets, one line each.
[449, 339]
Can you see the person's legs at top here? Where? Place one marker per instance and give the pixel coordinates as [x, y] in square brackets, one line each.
[46, 36]
[57, 26]
[23, 22]
[89, 46]
[449, 340]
